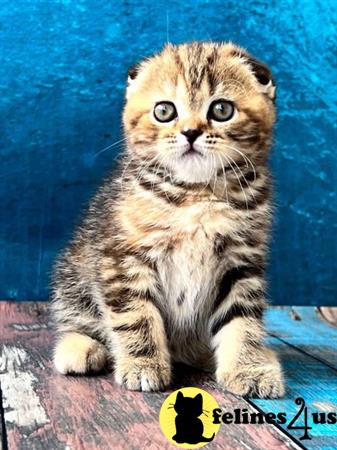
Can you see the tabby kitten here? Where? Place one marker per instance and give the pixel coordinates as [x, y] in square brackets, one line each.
[169, 262]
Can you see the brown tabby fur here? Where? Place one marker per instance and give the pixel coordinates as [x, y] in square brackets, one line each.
[169, 262]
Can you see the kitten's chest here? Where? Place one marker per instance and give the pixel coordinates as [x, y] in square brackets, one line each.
[189, 269]
[183, 244]
[182, 240]
[186, 273]
[189, 276]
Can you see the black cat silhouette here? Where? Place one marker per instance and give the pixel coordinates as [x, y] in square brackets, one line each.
[189, 428]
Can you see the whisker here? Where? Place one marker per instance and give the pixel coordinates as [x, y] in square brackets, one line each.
[245, 157]
[237, 177]
[143, 169]
[247, 160]
[216, 172]
[242, 174]
[124, 169]
[109, 146]
[140, 171]
[163, 161]
[225, 178]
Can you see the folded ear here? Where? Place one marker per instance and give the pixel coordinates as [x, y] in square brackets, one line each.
[263, 76]
[132, 77]
[133, 72]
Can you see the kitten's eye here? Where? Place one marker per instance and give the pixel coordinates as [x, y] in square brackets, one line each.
[165, 111]
[221, 110]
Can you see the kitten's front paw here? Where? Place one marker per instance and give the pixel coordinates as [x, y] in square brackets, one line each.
[77, 353]
[262, 378]
[143, 374]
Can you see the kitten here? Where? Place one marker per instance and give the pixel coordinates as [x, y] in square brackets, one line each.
[169, 262]
[189, 428]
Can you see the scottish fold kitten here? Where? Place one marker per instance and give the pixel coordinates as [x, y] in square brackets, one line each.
[169, 263]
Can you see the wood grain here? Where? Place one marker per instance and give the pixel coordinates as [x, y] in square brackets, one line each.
[44, 410]
[316, 383]
[308, 348]
[304, 328]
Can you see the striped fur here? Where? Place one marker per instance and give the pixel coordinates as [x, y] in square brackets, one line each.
[168, 264]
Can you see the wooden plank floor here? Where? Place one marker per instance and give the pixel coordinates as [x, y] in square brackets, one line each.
[43, 410]
[308, 348]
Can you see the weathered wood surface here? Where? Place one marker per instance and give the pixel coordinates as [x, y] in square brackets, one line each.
[304, 328]
[44, 410]
[316, 383]
[310, 362]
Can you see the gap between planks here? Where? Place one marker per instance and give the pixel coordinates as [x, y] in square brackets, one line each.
[3, 434]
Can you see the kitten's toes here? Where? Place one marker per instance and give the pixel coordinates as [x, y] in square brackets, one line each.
[270, 381]
[77, 353]
[262, 378]
[143, 374]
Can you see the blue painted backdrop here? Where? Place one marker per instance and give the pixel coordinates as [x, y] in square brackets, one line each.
[62, 75]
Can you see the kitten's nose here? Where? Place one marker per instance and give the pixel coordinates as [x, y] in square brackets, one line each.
[191, 134]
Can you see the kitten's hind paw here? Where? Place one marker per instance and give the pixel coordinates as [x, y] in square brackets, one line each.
[77, 353]
[262, 378]
[143, 374]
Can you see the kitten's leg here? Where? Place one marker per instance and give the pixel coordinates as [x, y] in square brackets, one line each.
[135, 326]
[77, 353]
[243, 364]
[77, 322]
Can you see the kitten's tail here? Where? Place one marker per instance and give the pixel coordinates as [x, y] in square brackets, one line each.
[205, 439]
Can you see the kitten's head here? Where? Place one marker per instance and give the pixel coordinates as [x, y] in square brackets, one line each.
[189, 406]
[199, 108]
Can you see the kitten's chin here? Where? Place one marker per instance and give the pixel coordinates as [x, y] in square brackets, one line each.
[195, 169]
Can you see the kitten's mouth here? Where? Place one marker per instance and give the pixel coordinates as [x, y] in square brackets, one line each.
[192, 151]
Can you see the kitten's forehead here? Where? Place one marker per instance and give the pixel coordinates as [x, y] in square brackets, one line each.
[197, 70]
[202, 63]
